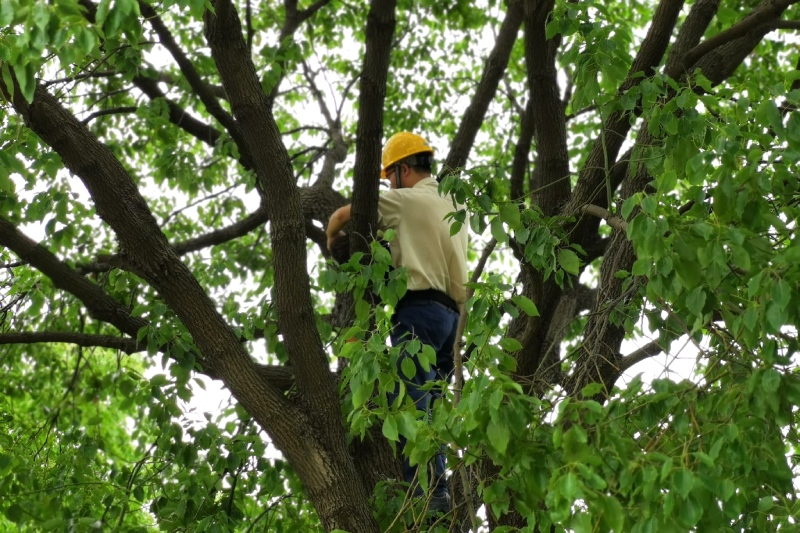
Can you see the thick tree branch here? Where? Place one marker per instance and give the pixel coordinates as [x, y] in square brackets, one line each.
[722, 61]
[119, 203]
[552, 157]
[766, 12]
[200, 87]
[177, 115]
[647, 351]
[493, 72]
[369, 133]
[691, 31]
[786, 25]
[100, 305]
[318, 451]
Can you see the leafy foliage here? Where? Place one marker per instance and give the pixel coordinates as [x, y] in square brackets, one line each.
[99, 426]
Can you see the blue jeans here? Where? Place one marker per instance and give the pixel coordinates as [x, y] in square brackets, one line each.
[434, 324]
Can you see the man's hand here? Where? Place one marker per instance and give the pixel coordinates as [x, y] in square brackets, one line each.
[332, 239]
[338, 220]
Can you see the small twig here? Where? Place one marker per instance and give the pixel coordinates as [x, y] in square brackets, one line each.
[580, 112]
[267, 510]
[110, 111]
[100, 74]
[201, 200]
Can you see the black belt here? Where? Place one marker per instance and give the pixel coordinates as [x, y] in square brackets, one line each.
[428, 294]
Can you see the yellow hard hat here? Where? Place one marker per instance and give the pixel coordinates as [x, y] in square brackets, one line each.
[401, 145]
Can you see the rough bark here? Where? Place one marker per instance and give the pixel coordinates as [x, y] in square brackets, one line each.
[690, 33]
[322, 461]
[380, 29]
[552, 158]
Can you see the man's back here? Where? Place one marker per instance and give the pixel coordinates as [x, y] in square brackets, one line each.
[423, 244]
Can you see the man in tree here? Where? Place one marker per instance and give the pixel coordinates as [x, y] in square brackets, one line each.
[437, 272]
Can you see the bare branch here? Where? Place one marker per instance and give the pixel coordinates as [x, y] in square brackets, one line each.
[98, 74]
[313, 8]
[647, 351]
[179, 116]
[462, 320]
[110, 111]
[493, 72]
[612, 220]
[124, 344]
[583, 111]
[786, 24]
[199, 201]
[216, 90]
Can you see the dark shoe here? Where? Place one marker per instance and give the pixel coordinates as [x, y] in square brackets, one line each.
[440, 503]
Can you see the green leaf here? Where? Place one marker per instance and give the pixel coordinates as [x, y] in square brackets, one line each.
[696, 300]
[781, 294]
[455, 227]
[498, 232]
[485, 202]
[509, 213]
[613, 516]
[765, 504]
[510, 345]
[53, 523]
[683, 481]
[691, 512]
[569, 261]
[569, 486]
[770, 381]
[390, 428]
[498, 435]
[6, 13]
[408, 367]
[591, 390]
[525, 303]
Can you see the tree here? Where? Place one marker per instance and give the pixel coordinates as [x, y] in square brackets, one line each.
[662, 172]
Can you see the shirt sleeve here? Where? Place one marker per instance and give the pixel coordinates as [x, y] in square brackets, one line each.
[390, 206]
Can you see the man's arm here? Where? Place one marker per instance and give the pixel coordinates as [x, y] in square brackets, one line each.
[338, 220]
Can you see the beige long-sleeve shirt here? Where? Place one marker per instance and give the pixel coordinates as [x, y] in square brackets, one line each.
[423, 244]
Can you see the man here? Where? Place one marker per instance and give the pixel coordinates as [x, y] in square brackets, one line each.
[437, 271]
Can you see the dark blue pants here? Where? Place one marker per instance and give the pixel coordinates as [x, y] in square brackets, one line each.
[433, 324]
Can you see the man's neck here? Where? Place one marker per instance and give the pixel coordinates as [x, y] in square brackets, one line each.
[411, 180]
